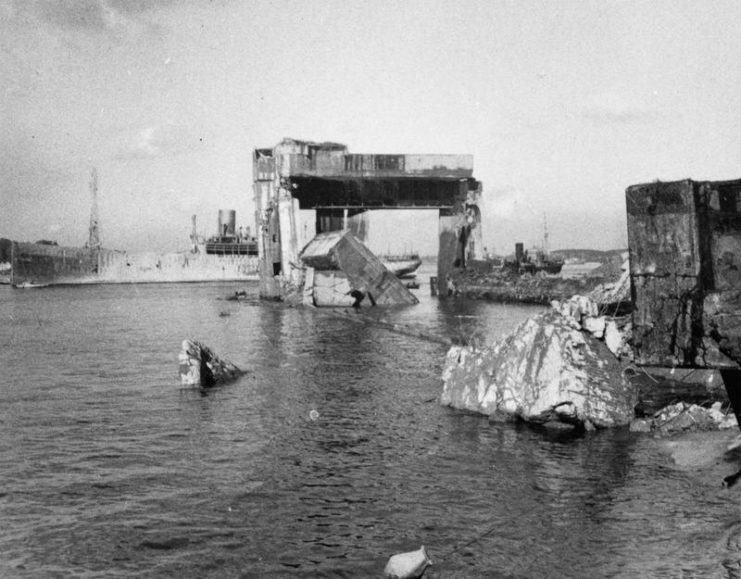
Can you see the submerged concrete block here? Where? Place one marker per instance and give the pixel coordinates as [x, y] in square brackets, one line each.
[199, 366]
[341, 250]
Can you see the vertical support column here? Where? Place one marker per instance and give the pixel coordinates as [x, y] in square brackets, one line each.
[288, 237]
[448, 253]
[267, 235]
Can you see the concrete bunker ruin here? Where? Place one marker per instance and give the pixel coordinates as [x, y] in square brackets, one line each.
[684, 239]
[303, 189]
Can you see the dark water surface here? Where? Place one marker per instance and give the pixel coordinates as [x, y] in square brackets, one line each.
[110, 469]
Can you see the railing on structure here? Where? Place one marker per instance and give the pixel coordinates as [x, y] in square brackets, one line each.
[336, 165]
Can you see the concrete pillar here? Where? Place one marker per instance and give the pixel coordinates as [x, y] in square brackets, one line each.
[288, 239]
[449, 254]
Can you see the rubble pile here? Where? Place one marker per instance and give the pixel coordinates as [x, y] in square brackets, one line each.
[684, 417]
[584, 313]
[568, 366]
[508, 287]
[547, 372]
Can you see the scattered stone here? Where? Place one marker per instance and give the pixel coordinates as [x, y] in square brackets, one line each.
[614, 338]
[595, 326]
[640, 425]
[683, 417]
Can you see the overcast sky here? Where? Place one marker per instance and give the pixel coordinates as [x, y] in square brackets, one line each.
[562, 104]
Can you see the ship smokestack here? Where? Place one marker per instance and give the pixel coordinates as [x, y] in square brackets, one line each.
[227, 222]
[519, 252]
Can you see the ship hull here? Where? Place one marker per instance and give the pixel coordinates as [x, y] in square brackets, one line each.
[402, 267]
[56, 265]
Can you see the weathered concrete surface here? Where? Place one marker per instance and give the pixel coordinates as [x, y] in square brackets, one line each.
[199, 366]
[685, 241]
[547, 370]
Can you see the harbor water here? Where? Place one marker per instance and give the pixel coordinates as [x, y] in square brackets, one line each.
[329, 455]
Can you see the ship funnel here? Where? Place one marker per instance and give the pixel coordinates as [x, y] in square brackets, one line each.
[519, 252]
[227, 222]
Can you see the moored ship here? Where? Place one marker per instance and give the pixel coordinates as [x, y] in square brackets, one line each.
[402, 265]
[228, 256]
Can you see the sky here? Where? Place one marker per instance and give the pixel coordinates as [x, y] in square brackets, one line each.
[563, 104]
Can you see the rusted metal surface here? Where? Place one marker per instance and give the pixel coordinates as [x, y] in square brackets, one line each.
[685, 252]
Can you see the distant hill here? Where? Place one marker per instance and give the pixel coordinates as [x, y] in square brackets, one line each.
[590, 254]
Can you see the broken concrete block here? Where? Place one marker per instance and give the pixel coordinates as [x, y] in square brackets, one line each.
[199, 366]
[363, 271]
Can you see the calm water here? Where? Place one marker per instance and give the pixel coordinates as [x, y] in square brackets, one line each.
[110, 469]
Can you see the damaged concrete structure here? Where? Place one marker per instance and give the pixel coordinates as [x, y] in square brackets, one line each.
[303, 189]
[684, 240]
[342, 265]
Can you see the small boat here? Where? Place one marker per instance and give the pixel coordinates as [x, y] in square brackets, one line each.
[29, 285]
[404, 265]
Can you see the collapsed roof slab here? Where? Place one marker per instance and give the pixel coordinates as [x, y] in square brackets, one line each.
[365, 272]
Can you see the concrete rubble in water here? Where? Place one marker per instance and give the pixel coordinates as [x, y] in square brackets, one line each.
[199, 366]
[341, 263]
[547, 371]
[684, 417]
[565, 367]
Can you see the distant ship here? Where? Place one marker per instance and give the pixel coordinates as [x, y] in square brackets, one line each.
[534, 261]
[227, 256]
[30, 285]
[228, 241]
[402, 265]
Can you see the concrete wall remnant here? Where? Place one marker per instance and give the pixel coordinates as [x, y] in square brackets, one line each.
[685, 252]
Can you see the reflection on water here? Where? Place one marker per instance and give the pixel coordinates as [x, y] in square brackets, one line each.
[329, 455]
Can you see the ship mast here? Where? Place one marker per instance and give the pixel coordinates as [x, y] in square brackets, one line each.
[194, 235]
[94, 232]
[545, 236]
